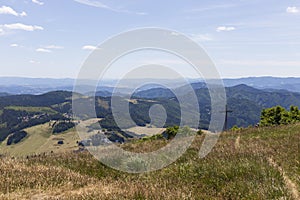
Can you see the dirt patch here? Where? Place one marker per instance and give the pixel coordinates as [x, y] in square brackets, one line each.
[237, 142]
[290, 185]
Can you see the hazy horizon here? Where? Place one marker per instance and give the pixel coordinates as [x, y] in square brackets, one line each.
[74, 78]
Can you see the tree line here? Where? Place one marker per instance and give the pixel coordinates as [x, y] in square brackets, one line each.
[279, 116]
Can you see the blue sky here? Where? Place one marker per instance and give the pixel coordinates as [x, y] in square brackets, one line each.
[52, 38]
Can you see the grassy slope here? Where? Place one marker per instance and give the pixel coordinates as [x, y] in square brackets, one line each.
[32, 109]
[237, 168]
[41, 140]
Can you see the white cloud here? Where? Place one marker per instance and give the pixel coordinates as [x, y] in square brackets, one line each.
[34, 62]
[201, 37]
[48, 49]
[196, 37]
[38, 2]
[43, 50]
[175, 33]
[23, 14]
[89, 47]
[54, 47]
[93, 3]
[225, 28]
[9, 11]
[98, 4]
[19, 26]
[8, 28]
[211, 7]
[14, 45]
[292, 9]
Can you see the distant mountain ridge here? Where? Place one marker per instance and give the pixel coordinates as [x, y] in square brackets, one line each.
[19, 85]
[291, 83]
[2, 94]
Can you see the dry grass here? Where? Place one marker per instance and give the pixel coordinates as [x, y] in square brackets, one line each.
[146, 131]
[227, 172]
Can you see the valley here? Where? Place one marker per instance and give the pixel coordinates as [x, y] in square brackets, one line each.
[47, 118]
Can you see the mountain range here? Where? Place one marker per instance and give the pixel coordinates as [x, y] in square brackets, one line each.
[19, 85]
[20, 111]
[27, 102]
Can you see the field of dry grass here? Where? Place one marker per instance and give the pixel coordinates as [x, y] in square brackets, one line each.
[259, 163]
[147, 131]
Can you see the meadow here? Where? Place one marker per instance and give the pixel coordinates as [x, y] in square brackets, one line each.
[253, 163]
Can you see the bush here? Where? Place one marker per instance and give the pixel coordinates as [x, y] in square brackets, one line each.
[16, 137]
[171, 132]
[62, 126]
[199, 132]
[235, 128]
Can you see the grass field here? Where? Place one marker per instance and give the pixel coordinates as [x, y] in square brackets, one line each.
[258, 163]
[32, 109]
[41, 140]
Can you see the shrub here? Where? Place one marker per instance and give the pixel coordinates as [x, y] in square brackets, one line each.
[171, 132]
[199, 132]
[62, 126]
[16, 137]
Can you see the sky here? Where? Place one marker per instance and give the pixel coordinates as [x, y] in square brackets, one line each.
[53, 38]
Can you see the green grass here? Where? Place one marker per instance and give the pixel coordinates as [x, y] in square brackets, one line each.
[32, 109]
[233, 170]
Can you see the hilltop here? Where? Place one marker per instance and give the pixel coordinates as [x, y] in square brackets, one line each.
[254, 163]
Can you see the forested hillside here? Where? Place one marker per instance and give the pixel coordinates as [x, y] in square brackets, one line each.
[246, 103]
